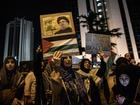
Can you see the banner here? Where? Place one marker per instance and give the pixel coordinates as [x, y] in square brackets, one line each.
[68, 46]
[58, 33]
[97, 42]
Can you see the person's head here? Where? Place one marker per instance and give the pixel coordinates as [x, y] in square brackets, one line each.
[66, 62]
[63, 22]
[121, 65]
[124, 80]
[127, 56]
[10, 63]
[121, 60]
[85, 65]
[132, 61]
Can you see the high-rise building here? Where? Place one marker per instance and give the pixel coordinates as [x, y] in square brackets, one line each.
[123, 14]
[19, 40]
[133, 9]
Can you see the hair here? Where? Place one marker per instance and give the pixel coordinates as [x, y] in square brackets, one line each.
[62, 17]
[10, 57]
[3, 73]
[82, 65]
[121, 60]
[122, 65]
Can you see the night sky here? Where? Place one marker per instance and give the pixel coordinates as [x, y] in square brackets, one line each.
[31, 10]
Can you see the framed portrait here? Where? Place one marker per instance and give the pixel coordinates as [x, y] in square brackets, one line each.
[57, 24]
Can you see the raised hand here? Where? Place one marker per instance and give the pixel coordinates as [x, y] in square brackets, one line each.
[57, 57]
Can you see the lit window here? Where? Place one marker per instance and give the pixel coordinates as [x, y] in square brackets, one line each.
[99, 4]
[99, 10]
[100, 16]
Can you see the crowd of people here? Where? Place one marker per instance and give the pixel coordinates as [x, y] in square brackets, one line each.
[63, 85]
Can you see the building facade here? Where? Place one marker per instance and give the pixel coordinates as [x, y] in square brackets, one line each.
[19, 40]
[120, 15]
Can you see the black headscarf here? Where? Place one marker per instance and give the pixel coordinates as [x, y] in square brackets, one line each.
[124, 68]
[82, 65]
[67, 72]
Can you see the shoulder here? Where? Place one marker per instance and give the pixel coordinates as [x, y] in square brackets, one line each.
[83, 74]
[29, 76]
